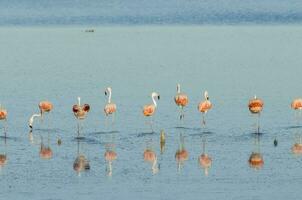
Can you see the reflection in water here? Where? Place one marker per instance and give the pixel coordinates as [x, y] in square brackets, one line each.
[181, 154]
[45, 150]
[205, 160]
[110, 154]
[162, 141]
[256, 159]
[3, 156]
[151, 157]
[297, 147]
[81, 163]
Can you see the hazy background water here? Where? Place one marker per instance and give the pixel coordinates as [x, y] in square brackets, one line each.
[232, 62]
[130, 12]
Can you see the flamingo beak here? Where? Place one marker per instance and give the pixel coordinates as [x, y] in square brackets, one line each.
[106, 93]
[31, 127]
[158, 97]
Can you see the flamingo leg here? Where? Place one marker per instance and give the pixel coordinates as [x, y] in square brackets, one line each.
[258, 123]
[5, 127]
[203, 120]
[78, 127]
[151, 124]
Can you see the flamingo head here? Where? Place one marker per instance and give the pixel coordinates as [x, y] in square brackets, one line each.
[108, 90]
[206, 95]
[178, 88]
[155, 94]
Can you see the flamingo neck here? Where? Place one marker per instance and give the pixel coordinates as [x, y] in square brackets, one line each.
[206, 96]
[109, 97]
[153, 99]
[79, 101]
[178, 88]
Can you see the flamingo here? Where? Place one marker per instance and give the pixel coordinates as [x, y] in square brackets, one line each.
[181, 100]
[204, 106]
[44, 107]
[80, 112]
[297, 105]
[3, 117]
[255, 106]
[150, 156]
[149, 110]
[110, 108]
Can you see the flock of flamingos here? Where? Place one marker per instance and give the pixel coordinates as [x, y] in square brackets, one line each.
[80, 111]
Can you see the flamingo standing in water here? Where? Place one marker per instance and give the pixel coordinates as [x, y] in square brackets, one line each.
[255, 106]
[110, 107]
[80, 112]
[297, 105]
[149, 110]
[181, 100]
[3, 116]
[204, 107]
[45, 107]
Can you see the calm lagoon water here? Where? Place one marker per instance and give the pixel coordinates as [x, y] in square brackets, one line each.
[232, 62]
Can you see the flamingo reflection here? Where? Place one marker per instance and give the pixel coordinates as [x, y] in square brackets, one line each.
[81, 163]
[110, 155]
[181, 154]
[45, 150]
[3, 156]
[205, 160]
[297, 147]
[256, 159]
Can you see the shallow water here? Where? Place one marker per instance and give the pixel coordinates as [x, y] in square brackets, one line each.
[232, 62]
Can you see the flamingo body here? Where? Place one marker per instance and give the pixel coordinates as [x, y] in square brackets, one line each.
[204, 106]
[181, 99]
[3, 114]
[80, 111]
[149, 110]
[110, 108]
[45, 106]
[297, 104]
[255, 105]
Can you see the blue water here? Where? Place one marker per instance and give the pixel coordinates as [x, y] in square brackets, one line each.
[138, 12]
[232, 62]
